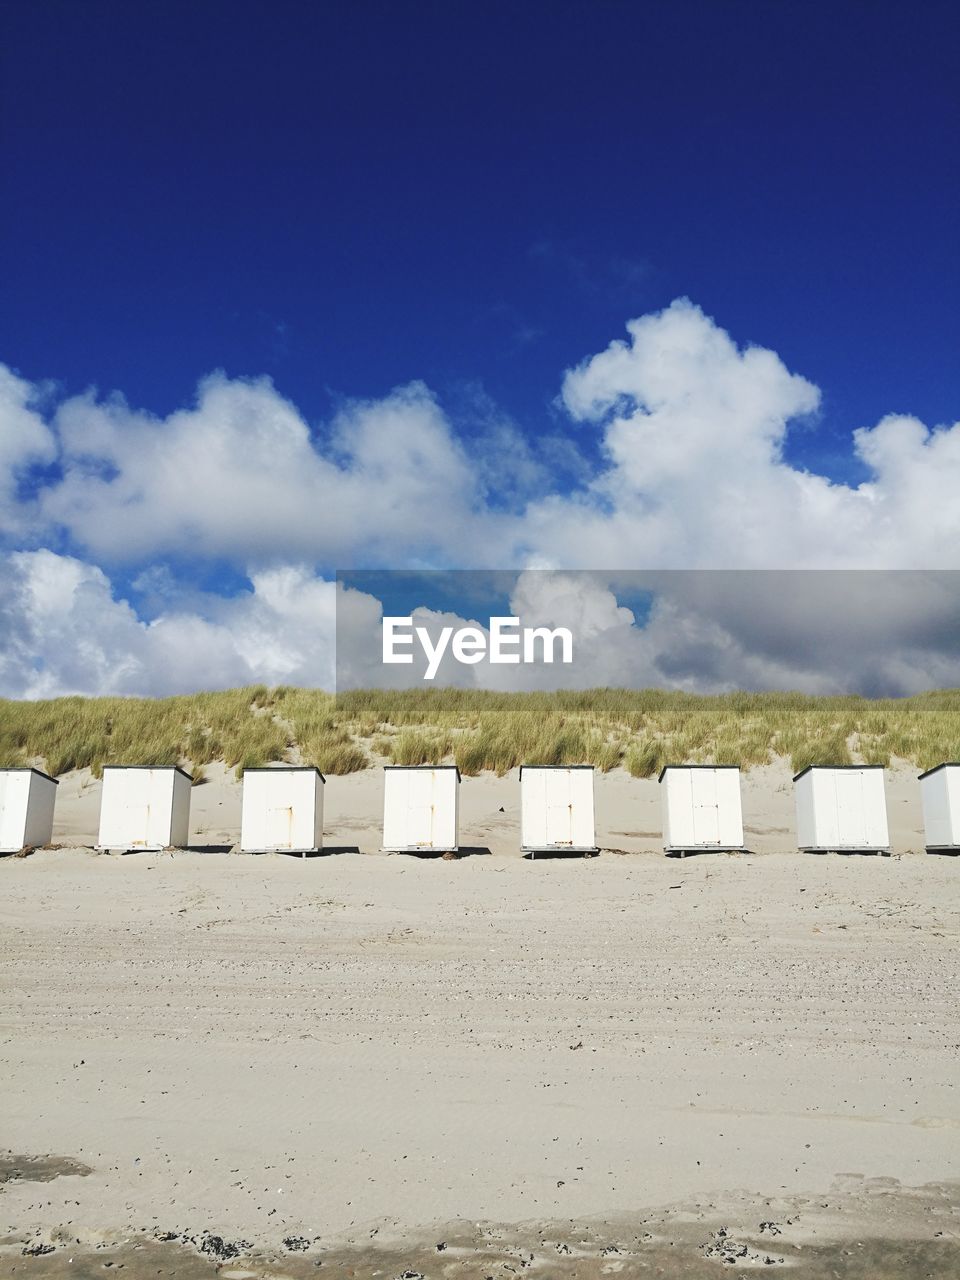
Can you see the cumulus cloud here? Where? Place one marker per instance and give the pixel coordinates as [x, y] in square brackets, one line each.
[240, 477]
[818, 632]
[64, 631]
[694, 428]
[690, 427]
[871, 632]
[688, 432]
[25, 441]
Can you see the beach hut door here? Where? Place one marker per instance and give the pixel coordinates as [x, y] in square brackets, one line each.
[849, 809]
[420, 808]
[139, 816]
[281, 810]
[280, 820]
[559, 808]
[706, 808]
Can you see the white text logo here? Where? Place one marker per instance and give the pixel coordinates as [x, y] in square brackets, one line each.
[507, 642]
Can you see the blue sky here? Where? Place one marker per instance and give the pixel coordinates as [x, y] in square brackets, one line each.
[468, 203]
[351, 196]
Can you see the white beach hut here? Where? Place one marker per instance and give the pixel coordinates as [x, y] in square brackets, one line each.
[841, 807]
[421, 808]
[556, 809]
[144, 807]
[940, 797]
[701, 808]
[27, 797]
[282, 809]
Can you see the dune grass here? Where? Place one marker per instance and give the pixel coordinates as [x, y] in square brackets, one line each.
[639, 730]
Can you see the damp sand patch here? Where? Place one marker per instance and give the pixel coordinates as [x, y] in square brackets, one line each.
[21, 1168]
[863, 1229]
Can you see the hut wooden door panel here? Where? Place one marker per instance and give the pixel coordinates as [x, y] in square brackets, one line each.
[280, 814]
[706, 808]
[850, 801]
[421, 808]
[583, 826]
[137, 817]
[559, 808]
[280, 820]
[873, 810]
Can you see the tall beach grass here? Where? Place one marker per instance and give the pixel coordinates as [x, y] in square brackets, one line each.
[639, 730]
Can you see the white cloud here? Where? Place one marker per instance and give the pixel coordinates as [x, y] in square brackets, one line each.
[65, 632]
[915, 511]
[694, 430]
[690, 430]
[828, 631]
[25, 440]
[239, 477]
[713, 631]
[704, 631]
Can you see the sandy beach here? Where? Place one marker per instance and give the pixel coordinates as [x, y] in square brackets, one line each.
[523, 441]
[622, 1064]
